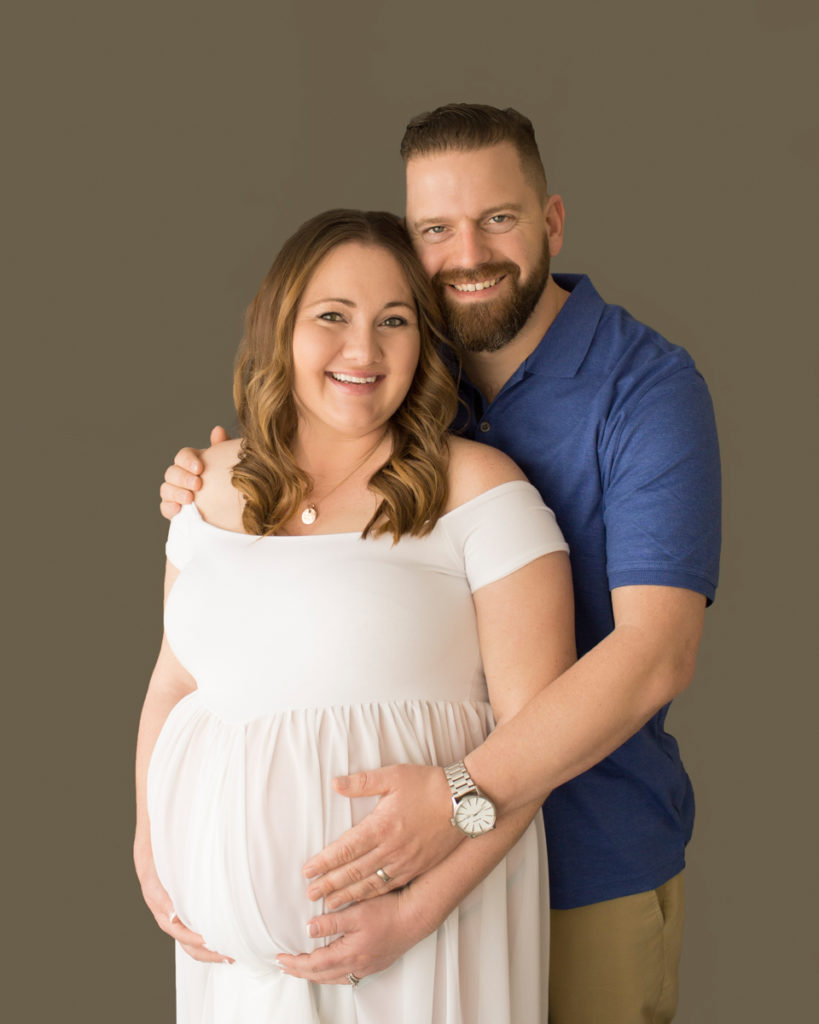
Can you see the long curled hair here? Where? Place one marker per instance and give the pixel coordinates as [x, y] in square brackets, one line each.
[412, 484]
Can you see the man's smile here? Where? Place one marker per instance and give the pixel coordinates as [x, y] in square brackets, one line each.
[477, 286]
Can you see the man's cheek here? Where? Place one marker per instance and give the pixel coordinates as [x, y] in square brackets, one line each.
[430, 262]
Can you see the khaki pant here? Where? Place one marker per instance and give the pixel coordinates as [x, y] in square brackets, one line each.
[616, 962]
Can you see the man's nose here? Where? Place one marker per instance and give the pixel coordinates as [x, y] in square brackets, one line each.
[471, 248]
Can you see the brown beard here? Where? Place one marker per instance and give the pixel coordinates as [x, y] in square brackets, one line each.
[488, 326]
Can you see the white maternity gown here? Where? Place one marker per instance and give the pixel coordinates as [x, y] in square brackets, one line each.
[314, 657]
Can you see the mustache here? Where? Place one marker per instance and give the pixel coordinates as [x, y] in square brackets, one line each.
[472, 275]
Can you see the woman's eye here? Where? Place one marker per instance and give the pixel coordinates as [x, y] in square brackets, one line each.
[331, 316]
[394, 321]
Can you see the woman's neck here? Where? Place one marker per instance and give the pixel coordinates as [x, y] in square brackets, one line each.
[329, 455]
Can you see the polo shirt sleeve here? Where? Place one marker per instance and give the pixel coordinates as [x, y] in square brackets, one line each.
[661, 486]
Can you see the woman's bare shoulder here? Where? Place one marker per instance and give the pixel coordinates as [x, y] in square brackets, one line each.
[218, 501]
[475, 468]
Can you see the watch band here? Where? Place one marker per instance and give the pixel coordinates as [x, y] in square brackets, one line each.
[460, 781]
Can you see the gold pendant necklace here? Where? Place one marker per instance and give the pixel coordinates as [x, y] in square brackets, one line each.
[310, 512]
[309, 515]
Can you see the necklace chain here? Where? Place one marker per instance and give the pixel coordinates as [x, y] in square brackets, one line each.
[310, 512]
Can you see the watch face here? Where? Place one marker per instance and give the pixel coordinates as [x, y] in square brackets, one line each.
[475, 815]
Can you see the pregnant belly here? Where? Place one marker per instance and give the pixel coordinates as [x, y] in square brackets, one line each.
[237, 808]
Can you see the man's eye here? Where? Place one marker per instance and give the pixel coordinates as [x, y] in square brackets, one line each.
[499, 218]
[436, 229]
[332, 316]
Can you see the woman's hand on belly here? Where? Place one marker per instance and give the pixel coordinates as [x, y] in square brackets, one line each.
[372, 936]
[407, 833]
[160, 905]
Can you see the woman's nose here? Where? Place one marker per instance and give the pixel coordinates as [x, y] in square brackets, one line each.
[361, 345]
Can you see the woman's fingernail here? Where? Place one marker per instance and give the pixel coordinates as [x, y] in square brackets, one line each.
[173, 916]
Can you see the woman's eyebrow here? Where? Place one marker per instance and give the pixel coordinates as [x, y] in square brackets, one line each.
[331, 298]
[352, 305]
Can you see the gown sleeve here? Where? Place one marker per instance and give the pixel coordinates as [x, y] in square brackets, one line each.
[180, 542]
[502, 530]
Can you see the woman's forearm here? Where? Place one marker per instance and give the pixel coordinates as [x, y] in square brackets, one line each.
[167, 687]
[155, 711]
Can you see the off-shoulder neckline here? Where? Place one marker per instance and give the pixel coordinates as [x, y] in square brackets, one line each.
[483, 496]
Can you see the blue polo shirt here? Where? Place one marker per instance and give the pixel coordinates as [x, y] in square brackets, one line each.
[615, 427]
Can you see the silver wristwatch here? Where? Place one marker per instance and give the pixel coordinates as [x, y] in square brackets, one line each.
[473, 813]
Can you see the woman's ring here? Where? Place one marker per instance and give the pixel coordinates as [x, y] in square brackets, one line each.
[382, 874]
[353, 980]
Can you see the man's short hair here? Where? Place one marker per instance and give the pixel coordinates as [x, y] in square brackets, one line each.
[468, 126]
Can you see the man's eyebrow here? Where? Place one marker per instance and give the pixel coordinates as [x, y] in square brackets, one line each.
[492, 211]
[427, 222]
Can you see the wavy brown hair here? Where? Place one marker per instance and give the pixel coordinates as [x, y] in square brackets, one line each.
[412, 484]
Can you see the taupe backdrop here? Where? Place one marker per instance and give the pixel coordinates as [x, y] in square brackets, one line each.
[155, 157]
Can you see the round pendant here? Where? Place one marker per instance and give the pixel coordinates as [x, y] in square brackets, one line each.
[309, 515]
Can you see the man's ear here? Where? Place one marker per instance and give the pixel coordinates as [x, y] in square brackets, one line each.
[554, 215]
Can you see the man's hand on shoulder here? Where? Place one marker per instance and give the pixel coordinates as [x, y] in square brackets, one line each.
[183, 478]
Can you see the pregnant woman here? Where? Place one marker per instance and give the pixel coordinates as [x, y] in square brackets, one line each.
[352, 587]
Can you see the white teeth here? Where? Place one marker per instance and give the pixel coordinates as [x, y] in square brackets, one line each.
[479, 287]
[349, 379]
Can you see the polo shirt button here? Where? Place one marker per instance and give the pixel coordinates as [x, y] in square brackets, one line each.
[484, 426]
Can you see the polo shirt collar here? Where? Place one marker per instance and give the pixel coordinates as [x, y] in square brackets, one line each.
[564, 346]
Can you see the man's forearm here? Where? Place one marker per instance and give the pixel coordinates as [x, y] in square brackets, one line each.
[592, 708]
[436, 893]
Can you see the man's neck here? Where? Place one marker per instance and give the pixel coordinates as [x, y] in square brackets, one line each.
[489, 371]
